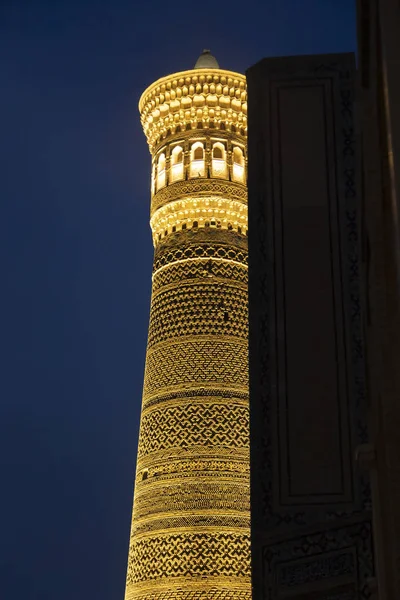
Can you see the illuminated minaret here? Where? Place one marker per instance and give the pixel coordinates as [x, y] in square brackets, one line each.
[190, 536]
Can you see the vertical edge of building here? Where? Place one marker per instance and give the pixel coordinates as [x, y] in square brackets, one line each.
[379, 101]
[310, 498]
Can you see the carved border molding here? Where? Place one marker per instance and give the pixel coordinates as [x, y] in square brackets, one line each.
[200, 187]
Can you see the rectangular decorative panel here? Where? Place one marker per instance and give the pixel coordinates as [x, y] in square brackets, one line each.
[311, 394]
[328, 564]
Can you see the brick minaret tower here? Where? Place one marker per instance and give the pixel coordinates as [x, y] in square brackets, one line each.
[190, 535]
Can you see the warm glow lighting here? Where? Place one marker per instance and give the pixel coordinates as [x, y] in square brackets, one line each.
[188, 211]
[197, 168]
[238, 173]
[177, 172]
[177, 164]
[219, 168]
[190, 535]
[203, 260]
[160, 179]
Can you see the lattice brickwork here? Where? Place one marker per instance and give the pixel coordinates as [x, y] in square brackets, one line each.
[196, 362]
[169, 254]
[178, 497]
[190, 424]
[198, 591]
[190, 555]
[198, 308]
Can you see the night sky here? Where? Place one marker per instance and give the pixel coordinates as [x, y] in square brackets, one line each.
[76, 258]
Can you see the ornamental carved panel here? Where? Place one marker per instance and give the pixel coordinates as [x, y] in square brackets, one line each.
[307, 369]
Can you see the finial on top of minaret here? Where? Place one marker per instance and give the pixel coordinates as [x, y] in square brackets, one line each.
[206, 61]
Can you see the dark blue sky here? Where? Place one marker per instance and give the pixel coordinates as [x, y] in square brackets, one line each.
[76, 258]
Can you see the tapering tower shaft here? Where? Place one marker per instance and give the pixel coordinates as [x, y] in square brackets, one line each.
[190, 536]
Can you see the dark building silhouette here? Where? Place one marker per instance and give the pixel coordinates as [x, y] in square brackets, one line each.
[379, 102]
[310, 496]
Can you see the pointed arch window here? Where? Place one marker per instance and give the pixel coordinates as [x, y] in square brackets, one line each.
[161, 171]
[219, 168]
[197, 165]
[177, 163]
[238, 165]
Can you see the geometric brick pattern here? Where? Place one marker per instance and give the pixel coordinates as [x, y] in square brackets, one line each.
[189, 424]
[181, 189]
[193, 456]
[191, 522]
[202, 269]
[170, 254]
[182, 495]
[178, 555]
[200, 465]
[204, 592]
[200, 361]
[196, 309]
[191, 515]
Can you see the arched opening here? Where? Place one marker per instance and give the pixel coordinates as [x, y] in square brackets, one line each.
[238, 165]
[161, 171]
[219, 168]
[197, 166]
[198, 153]
[177, 163]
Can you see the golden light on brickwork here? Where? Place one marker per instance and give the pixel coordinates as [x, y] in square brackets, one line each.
[190, 536]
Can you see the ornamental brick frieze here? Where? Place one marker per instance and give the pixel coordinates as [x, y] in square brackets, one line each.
[199, 188]
[180, 101]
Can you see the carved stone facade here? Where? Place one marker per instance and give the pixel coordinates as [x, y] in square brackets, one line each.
[190, 536]
[310, 503]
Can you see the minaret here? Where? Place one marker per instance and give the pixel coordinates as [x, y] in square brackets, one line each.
[190, 536]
